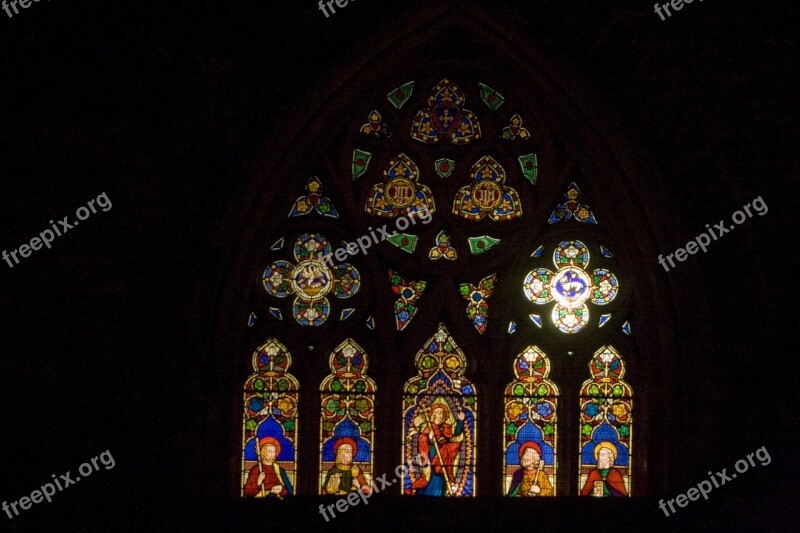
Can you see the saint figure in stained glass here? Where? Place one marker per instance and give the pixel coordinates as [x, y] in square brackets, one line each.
[530, 427]
[345, 477]
[269, 460]
[440, 441]
[606, 428]
[439, 421]
[347, 422]
[530, 479]
[267, 478]
[604, 480]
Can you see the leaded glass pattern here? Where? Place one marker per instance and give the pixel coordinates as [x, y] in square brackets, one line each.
[439, 420]
[530, 428]
[347, 422]
[606, 422]
[269, 442]
[570, 286]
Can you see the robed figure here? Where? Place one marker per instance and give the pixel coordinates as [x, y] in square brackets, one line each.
[267, 479]
[345, 477]
[441, 443]
[530, 479]
[605, 481]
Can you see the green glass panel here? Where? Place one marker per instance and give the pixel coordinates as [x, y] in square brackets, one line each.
[404, 241]
[530, 167]
[444, 167]
[490, 97]
[478, 245]
[399, 96]
[361, 161]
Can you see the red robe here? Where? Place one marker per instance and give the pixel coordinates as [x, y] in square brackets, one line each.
[613, 480]
[448, 451]
[271, 478]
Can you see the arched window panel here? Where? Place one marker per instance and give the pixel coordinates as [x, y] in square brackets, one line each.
[347, 424]
[530, 428]
[439, 422]
[606, 428]
[269, 442]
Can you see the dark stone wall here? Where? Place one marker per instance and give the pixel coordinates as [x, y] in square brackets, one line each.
[108, 336]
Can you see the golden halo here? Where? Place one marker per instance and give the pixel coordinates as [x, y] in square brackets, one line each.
[608, 446]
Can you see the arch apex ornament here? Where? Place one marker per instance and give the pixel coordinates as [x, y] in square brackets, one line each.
[376, 126]
[446, 117]
[444, 248]
[572, 207]
[313, 201]
[514, 130]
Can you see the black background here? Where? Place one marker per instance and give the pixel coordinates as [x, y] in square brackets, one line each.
[165, 106]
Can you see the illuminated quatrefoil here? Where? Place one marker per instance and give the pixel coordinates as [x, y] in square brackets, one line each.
[570, 286]
[311, 280]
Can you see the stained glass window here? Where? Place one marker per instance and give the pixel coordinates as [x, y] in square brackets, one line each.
[439, 421]
[312, 279]
[347, 422]
[606, 428]
[531, 406]
[269, 459]
[445, 117]
[570, 286]
[487, 195]
[406, 155]
[400, 192]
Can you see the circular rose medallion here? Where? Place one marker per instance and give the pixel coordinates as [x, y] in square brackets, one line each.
[311, 280]
[487, 194]
[537, 285]
[400, 192]
[571, 287]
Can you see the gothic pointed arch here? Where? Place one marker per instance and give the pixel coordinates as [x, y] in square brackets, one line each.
[530, 423]
[271, 394]
[606, 428]
[440, 408]
[474, 155]
[347, 406]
